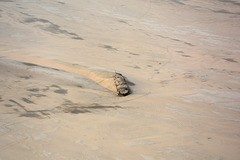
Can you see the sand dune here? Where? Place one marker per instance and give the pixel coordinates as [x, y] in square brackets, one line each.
[106, 79]
[57, 62]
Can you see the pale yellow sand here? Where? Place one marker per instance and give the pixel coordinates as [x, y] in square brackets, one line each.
[181, 57]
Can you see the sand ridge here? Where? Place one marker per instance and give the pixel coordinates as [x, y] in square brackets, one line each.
[104, 78]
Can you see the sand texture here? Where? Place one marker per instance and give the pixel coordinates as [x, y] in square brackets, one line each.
[58, 84]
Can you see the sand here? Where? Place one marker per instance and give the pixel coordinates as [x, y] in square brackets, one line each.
[180, 58]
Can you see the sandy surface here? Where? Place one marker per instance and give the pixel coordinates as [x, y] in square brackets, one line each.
[181, 58]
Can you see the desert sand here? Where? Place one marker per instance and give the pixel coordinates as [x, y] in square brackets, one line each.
[181, 59]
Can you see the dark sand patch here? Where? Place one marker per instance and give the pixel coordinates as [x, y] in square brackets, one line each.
[25, 77]
[29, 64]
[179, 51]
[230, 60]
[55, 29]
[32, 20]
[78, 38]
[18, 104]
[30, 114]
[230, 1]
[16, 110]
[122, 21]
[185, 55]
[135, 54]
[8, 105]
[76, 108]
[125, 22]
[178, 2]
[225, 12]
[37, 95]
[51, 27]
[21, 7]
[176, 40]
[190, 44]
[97, 106]
[36, 65]
[136, 67]
[6, 1]
[61, 91]
[163, 37]
[33, 90]
[1, 100]
[45, 89]
[79, 86]
[188, 75]
[36, 114]
[26, 14]
[27, 100]
[109, 47]
[56, 86]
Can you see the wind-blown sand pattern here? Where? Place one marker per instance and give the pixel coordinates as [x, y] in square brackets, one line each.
[59, 59]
